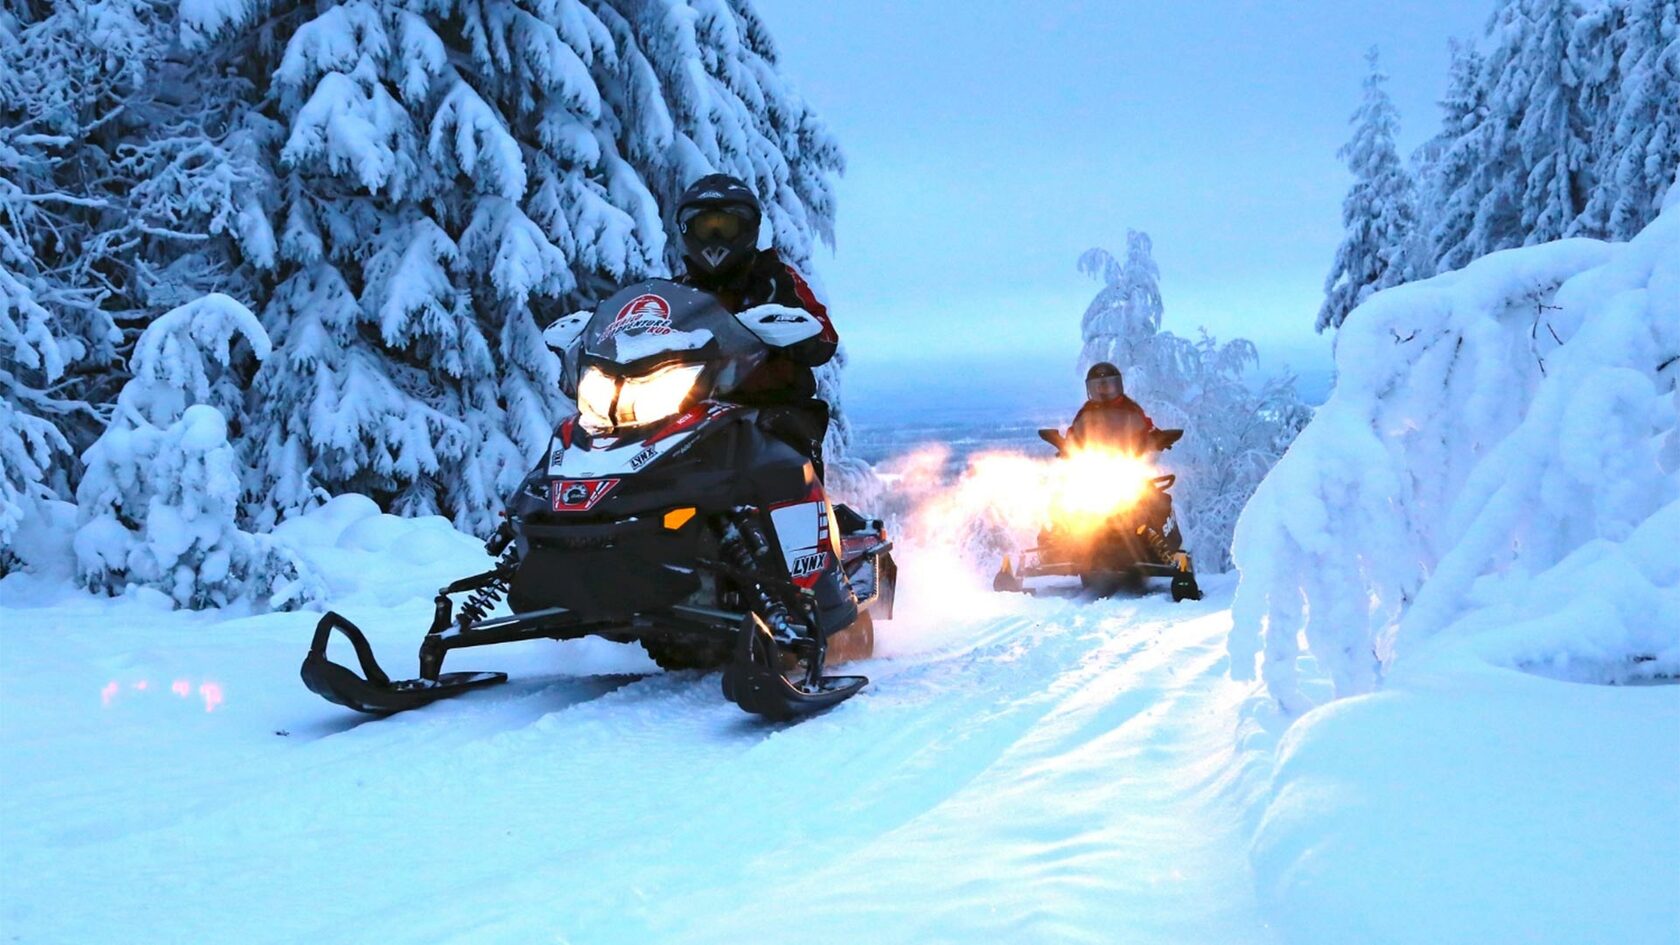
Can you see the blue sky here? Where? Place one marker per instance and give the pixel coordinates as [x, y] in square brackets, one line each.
[989, 143]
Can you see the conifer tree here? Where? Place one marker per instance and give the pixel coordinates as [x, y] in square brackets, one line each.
[1379, 212]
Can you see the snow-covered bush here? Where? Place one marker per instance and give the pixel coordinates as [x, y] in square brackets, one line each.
[1233, 430]
[160, 498]
[1497, 468]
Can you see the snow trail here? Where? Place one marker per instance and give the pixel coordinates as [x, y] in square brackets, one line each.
[1048, 771]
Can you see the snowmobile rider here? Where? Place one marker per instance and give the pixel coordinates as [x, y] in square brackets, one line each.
[718, 217]
[1109, 418]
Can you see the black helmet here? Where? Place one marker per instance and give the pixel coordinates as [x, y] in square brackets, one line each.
[1103, 383]
[718, 217]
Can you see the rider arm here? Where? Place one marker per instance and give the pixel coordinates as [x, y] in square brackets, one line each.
[790, 288]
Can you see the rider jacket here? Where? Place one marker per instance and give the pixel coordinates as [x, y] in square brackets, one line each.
[1118, 424]
[786, 376]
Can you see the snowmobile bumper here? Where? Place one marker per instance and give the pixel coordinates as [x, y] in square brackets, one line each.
[754, 679]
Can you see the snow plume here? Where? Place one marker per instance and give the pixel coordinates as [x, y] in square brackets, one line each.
[1498, 469]
[160, 500]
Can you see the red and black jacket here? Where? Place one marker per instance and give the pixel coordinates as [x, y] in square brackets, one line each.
[786, 377]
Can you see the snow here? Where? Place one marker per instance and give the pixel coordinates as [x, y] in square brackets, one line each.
[1468, 804]
[1496, 437]
[1018, 770]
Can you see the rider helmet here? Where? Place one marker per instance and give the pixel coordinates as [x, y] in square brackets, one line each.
[1103, 383]
[718, 218]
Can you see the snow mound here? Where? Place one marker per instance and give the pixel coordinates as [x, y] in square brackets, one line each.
[1498, 468]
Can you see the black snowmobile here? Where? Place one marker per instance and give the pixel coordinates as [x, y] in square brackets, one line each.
[663, 514]
[1119, 554]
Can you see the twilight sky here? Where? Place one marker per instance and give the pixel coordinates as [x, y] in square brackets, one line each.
[990, 142]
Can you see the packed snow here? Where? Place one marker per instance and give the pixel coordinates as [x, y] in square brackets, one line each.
[1019, 770]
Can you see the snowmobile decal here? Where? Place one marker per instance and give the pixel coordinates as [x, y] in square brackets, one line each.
[802, 528]
[579, 495]
[690, 419]
[645, 313]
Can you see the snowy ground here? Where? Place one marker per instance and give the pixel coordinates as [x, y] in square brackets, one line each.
[1018, 771]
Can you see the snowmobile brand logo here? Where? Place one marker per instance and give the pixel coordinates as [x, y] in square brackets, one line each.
[645, 313]
[643, 458]
[579, 495]
[807, 565]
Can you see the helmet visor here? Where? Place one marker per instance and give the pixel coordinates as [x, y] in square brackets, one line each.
[1104, 388]
[713, 225]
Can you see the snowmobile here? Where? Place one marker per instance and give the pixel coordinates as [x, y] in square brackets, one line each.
[666, 515]
[1133, 540]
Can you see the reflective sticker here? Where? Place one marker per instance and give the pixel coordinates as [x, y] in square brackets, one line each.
[579, 495]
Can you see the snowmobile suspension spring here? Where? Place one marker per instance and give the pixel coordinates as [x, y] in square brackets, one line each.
[738, 532]
[1156, 542]
[486, 596]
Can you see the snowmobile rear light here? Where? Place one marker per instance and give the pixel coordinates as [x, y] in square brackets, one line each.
[677, 518]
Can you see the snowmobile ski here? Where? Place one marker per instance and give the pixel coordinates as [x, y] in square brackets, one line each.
[375, 692]
[754, 680]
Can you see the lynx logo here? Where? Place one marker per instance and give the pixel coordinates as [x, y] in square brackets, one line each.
[643, 458]
[807, 565]
[645, 313]
[579, 495]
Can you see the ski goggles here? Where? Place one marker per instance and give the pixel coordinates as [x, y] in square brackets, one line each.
[714, 224]
[1104, 388]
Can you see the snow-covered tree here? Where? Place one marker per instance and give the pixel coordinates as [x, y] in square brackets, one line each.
[1551, 131]
[1379, 213]
[1123, 323]
[1564, 126]
[1455, 167]
[444, 170]
[159, 502]
[1234, 431]
[1637, 146]
[1497, 471]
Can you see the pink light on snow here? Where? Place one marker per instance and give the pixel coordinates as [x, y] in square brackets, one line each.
[181, 687]
[212, 693]
[141, 685]
[108, 693]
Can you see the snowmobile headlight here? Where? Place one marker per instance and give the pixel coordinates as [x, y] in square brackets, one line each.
[595, 400]
[656, 395]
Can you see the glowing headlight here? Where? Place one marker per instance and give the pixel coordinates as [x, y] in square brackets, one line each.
[595, 400]
[605, 403]
[656, 396]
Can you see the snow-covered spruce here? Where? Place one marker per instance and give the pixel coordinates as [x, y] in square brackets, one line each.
[1498, 468]
[1233, 432]
[443, 172]
[1379, 210]
[160, 498]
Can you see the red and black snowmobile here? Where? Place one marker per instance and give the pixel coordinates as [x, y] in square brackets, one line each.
[666, 515]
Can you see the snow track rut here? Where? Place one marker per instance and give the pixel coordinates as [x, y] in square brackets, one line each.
[1037, 771]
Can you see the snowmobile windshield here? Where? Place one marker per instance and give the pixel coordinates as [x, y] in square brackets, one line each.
[655, 348]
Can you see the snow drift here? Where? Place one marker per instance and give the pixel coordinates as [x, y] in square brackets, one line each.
[1497, 468]
[1481, 518]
